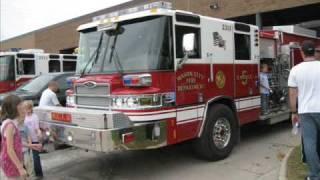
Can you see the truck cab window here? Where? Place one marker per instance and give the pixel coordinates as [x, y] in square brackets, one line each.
[54, 66]
[180, 32]
[242, 46]
[26, 67]
[69, 66]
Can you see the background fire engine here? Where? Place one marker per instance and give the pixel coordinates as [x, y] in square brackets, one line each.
[17, 68]
[151, 76]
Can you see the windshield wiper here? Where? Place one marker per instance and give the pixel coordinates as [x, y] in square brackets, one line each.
[117, 62]
[95, 54]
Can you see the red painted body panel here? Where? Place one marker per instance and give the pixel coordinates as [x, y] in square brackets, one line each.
[287, 38]
[246, 117]
[191, 80]
[188, 130]
[171, 131]
[246, 77]
[6, 86]
[296, 56]
[267, 34]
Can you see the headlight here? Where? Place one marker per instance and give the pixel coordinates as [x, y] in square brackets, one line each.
[119, 102]
[131, 102]
[70, 101]
[143, 101]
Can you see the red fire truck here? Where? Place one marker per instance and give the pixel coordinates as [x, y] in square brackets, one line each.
[16, 68]
[150, 77]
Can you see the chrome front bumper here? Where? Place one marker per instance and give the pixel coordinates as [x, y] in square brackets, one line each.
[99, 137]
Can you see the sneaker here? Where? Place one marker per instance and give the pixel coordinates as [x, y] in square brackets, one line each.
[307, 178]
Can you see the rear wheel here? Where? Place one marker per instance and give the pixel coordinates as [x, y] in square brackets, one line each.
[219, 134]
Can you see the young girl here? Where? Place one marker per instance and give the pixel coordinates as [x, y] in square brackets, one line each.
[11, 157]
[32, 122]
[27, 148]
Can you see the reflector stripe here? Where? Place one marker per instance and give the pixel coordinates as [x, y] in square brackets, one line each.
[190, 120]
[250, 108]
[248, 103]
[153, 117]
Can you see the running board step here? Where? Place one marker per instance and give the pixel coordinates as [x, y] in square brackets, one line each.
[275, 117]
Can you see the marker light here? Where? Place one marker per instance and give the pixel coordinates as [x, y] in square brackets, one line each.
[150, 6]
[70, 138]
[128, 138]
[137, 80]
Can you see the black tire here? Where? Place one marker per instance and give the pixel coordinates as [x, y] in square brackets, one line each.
[205, 147]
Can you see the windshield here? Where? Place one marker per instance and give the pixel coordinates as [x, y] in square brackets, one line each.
[136, 46]
[6, 68]
[37, 84]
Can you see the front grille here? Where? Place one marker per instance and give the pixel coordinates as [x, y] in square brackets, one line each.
[98, 90]
[93, 101]
[97, 96]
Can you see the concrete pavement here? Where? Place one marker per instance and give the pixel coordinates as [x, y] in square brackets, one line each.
[257, 157]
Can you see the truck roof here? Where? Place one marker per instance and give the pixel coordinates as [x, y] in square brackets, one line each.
[152, 9]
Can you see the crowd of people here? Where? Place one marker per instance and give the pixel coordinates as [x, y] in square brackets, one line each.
[21, 137]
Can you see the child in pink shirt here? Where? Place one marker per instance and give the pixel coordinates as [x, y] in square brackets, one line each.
[11, 157]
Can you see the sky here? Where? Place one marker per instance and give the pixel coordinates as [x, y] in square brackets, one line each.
[21, 16]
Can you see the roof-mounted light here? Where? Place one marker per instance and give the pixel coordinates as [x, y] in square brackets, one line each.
[151, 6]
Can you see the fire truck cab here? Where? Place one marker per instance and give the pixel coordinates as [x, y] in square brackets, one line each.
[151, 76]
[16, 68]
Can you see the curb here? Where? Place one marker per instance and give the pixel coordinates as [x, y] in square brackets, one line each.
[283, 167]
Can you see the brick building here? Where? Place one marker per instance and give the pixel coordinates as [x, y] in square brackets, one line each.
[63, 37]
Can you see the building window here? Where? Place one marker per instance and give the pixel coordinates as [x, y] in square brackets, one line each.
[180, 32]
[54, 66]
[69, 66]
[242, 46]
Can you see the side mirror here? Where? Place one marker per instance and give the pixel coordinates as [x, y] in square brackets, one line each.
[188, 43]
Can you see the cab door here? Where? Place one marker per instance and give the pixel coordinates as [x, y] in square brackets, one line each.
[246, 64]
[191, 77]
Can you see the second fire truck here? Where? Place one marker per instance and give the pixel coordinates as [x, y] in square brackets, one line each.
[16, 68]
[151, 77]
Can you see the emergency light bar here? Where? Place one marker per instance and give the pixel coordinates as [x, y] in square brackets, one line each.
[154, 5]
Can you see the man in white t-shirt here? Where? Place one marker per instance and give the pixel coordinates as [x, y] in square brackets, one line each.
[49, 97]
[317, 54]
[304, 85]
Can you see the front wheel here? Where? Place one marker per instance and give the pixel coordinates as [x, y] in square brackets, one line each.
[219, 134]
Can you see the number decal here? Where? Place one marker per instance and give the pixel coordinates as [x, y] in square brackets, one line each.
[226, 27]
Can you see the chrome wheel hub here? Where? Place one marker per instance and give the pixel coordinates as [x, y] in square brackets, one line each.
[221, 133]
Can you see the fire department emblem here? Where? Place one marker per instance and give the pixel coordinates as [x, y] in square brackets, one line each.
[220, 79]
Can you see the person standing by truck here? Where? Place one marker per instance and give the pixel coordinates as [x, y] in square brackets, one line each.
[317, 53]
[11, 157]
[304, 85]
[264, 88]
[32, 123]
[49, 96]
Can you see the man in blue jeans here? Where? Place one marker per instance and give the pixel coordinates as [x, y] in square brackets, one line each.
[304, 85]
